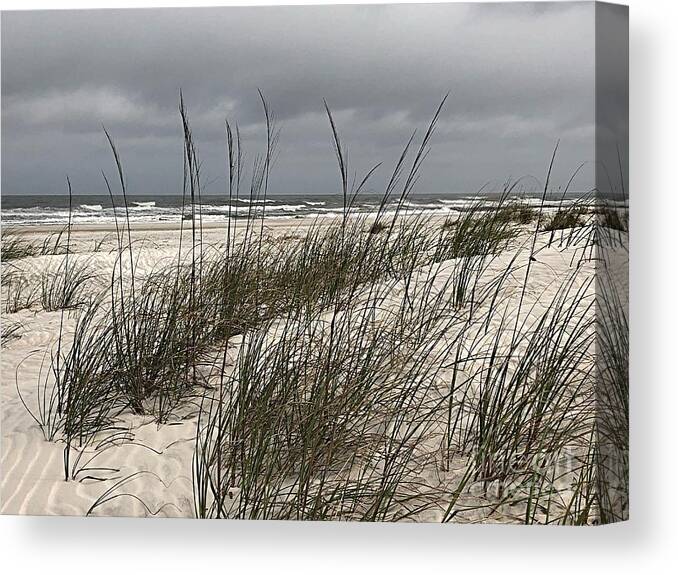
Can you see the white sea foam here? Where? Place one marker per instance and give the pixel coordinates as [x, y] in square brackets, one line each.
[255, 201]
[150, 211]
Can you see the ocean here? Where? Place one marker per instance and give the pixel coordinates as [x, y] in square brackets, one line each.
[93, 209]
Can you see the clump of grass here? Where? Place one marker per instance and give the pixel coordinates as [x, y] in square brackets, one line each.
[613, 219]
[66, 286]
[19, 292]
[324, 417]
[154, 346]
[15, 246]
[477, 232]
[473, 241]
[378, 227]
[493, 221]
[57, 243]
[531, 410]
[517, 212]
[74, 403]
[565, 218]
[611, 223]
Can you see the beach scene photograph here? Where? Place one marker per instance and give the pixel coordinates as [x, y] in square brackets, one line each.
[316, 263]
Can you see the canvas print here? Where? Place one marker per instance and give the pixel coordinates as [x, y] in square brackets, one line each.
[347, 263]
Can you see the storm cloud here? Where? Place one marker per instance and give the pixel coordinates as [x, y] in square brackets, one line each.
[520, 77]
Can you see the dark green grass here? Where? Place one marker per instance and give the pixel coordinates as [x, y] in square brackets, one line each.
[19, 292]
[565, 219]
[614, 219]
[67, 286]
[378, 227]
[15, 246]
[517, 212]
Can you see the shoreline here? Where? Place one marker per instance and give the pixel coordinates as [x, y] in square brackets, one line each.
[174, 226]
[271, 223]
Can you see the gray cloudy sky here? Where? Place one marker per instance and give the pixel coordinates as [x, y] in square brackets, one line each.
[520, 76]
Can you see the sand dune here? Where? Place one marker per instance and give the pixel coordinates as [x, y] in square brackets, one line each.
[144, 468]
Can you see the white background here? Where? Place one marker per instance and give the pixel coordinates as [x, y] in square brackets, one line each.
[647, 543]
